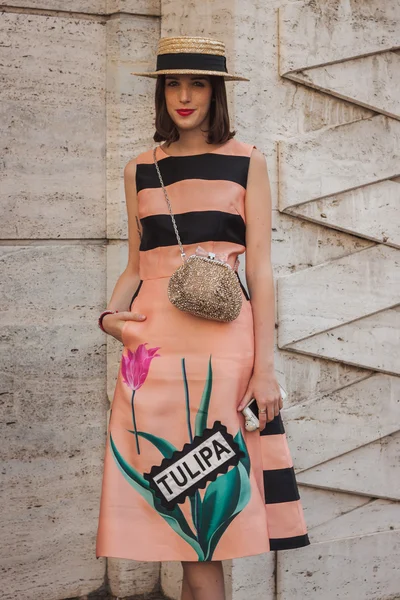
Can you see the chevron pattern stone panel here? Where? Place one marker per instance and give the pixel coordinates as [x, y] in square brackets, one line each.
[344, 310]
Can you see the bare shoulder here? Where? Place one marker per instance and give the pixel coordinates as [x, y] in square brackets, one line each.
[257, 166]
[130, 169]
[257, 157]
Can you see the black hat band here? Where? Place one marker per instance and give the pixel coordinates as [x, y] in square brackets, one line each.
[191, 60]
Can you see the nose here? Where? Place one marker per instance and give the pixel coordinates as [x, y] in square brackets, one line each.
[184, 94]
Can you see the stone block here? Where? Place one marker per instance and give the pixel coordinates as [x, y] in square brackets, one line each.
[131, 44]
[53, 144]
[352, 471]
[314, 300]
[53, 419]
[378, 72]
[338, 159]
[314, 33]
[353, 567]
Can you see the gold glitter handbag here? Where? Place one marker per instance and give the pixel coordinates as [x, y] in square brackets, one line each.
[205, 285]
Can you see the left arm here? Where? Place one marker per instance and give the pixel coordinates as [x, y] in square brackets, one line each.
[263, 385]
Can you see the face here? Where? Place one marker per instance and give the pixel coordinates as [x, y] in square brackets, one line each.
[188, 92]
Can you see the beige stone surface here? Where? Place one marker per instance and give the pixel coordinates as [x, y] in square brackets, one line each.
[171, 579]
[375, 516]
[314, 33]
[352, 471]
[299, 244]
[91, 7]
[53, 398]
[147, 8]
[334, 291]
[130, 47]
[371, 342]
[53, 147]
[322, 507]
[355, 567]
[131, 577]
[253, 577]
[308, 378]
[84, 6]
[379, 74]
[338, 159]
[351, 212]
[366, 410]
[299, 110]
[117, 256]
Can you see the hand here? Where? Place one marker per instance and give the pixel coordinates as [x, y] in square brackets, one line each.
[265, 389]
[113, 323]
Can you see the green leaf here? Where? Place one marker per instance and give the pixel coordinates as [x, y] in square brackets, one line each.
[133, 477]
[219, 502]
[177, 521]
[167, 449]
[244, 497]
[239, 439]
[174, 517]
[224, 499]
[164, 446]
[187, 402]
[196, 509]
[202, 413]
[195, 499]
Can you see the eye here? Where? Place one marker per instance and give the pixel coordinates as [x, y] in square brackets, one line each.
[201, 84]
[171, 83]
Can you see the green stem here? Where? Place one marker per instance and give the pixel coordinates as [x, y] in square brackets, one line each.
[187, 401]
[196, 499]
[134, 423]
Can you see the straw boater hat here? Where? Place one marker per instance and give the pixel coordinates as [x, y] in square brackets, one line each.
[193, 55]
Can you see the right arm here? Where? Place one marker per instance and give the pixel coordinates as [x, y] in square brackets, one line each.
[129, 279]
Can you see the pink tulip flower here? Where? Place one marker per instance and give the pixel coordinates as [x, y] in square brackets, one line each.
[135, 368]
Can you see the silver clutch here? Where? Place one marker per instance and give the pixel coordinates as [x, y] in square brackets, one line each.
[250, 412]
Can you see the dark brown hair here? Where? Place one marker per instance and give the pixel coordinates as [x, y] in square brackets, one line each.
[219, 131]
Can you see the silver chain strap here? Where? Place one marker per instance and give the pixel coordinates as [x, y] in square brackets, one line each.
[183, 255]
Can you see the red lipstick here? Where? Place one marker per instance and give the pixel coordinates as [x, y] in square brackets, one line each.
[184, 112]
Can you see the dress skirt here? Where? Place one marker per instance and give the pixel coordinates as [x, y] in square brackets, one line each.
[183, 479]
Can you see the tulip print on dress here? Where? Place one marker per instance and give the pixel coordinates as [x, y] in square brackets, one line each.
[175, 480]
[135, 367]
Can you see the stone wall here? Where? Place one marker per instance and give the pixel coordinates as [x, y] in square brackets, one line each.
[323, 106]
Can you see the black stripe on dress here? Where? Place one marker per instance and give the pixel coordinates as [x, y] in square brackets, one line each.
[273, 427]
[202, 166]
[246, 295]
[280, 485]
[193, 227]
[136, 293]
[296, 541]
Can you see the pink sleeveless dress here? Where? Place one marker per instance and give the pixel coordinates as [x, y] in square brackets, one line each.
[183, 479]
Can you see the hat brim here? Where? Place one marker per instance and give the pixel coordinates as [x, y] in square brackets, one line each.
[226, 76]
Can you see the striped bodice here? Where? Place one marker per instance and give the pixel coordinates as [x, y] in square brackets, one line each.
[207, 194]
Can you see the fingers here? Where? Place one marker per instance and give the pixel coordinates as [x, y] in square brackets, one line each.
[136, 317]
[245, 400]
[271, 407]
[271, 411]
[130, 316]
[114, 323]
[267, 416]
[262, 416]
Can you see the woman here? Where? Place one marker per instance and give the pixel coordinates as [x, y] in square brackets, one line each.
[183, 480]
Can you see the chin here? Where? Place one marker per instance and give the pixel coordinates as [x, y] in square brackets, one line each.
[186, 126]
